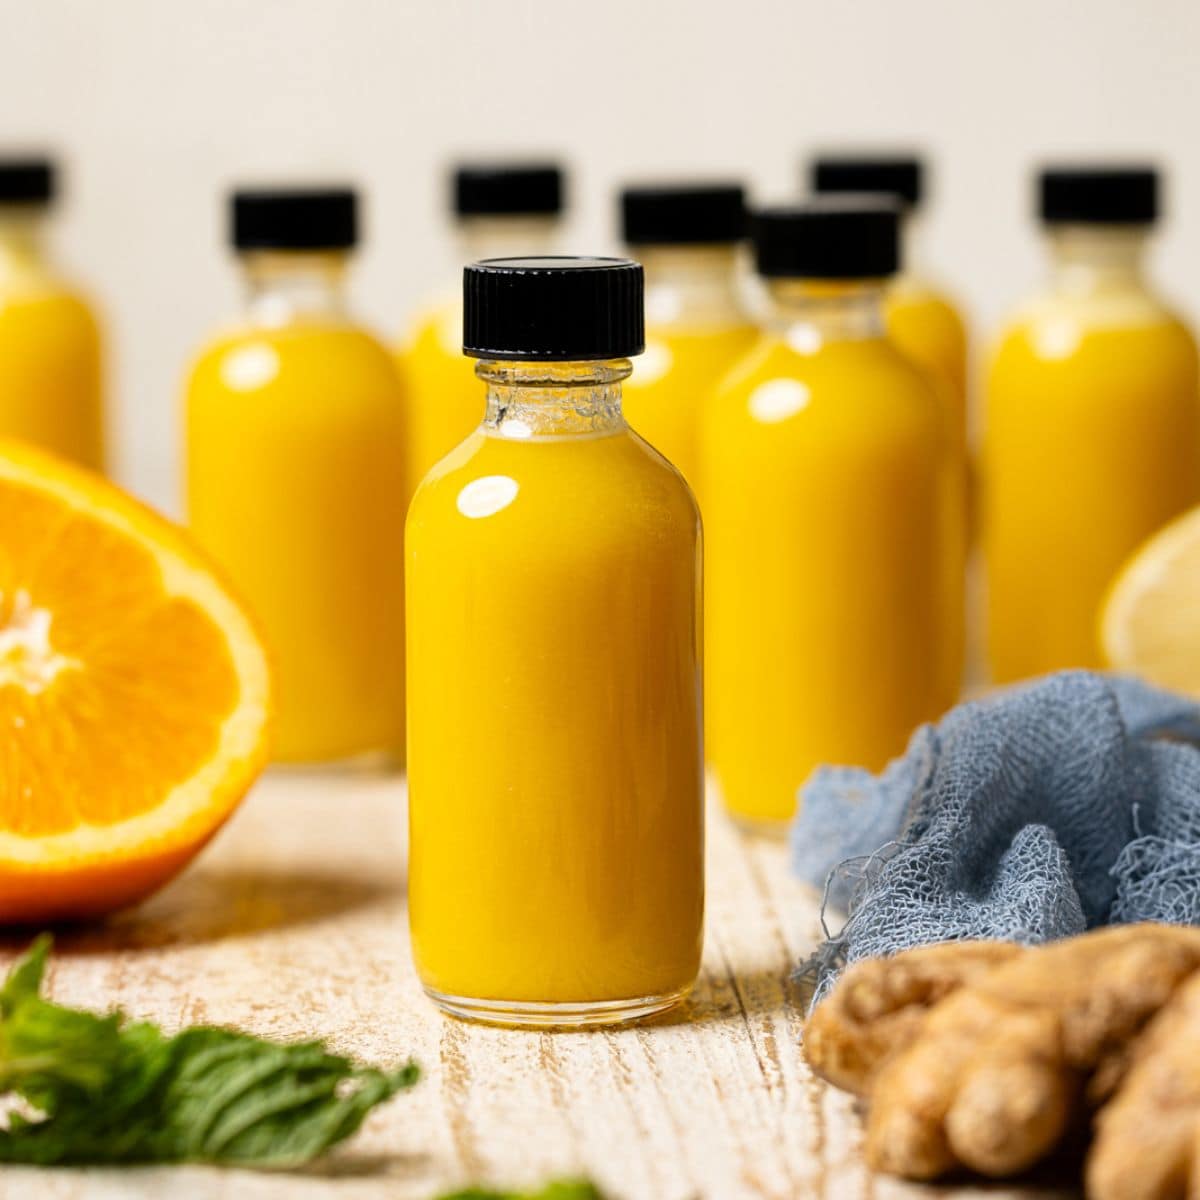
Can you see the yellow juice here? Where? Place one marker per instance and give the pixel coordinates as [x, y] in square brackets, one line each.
[664, 395]
[555, 775]
[1092, 443]
[832, 524]
[686, 236]
[295, 483]
[921, 319]
[927, 327]
[50, 353]
[445, 399]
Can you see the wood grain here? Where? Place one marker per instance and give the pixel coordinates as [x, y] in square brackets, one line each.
[293, 924]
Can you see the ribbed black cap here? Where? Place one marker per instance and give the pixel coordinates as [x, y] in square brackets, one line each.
[830, 237]
[893, 175]
[553, 309]
[511, 189]
[1099, 195]
[683, 214]
[294, 218]
[26, 180]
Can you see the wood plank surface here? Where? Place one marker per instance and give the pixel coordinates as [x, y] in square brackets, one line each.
[293, 923]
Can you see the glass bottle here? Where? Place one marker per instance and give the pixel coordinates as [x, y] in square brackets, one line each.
[687, 238]
[833, 513]
[1092, 438]
[922, 318]
[500, 209]
[295, 477]
[50, 346]
[555, 776]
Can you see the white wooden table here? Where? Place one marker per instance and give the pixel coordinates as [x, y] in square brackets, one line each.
[293, 923]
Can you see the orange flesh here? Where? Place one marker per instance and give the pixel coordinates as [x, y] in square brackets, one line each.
[133, 694]
[86, 734]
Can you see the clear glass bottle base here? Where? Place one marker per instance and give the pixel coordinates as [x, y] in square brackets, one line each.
[516, 1014]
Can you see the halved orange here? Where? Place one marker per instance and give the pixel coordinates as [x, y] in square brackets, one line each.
[1150, 620]
[134, 694]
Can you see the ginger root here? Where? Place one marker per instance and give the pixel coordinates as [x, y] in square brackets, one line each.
[1147, 1142]
[994, 1074]
[879, 1005]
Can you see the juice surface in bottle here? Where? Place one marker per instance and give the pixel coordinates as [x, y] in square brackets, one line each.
[295, 478]
[501, 209]
[686, 237]
[50, 351]
[922, 319]
[555, 774]
[1092, 438]
[832, 521]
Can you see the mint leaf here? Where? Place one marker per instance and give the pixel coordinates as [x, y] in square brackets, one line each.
[559, 1189]
[235, 1098]
[25, 979]
[107, 1090]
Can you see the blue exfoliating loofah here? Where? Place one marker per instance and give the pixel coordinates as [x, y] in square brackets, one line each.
[1031, 815]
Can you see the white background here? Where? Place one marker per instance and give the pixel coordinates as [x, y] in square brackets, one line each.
[159, 105]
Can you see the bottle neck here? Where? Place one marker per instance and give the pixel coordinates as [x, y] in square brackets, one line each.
[691, 284]
[553, 399]
[286, 286]
[1091, 258]
[23, 249]
[505, 237]
[812, 313]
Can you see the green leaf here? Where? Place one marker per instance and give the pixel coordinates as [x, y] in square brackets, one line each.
[25, 979]
[559, 1189]
[107, 1090]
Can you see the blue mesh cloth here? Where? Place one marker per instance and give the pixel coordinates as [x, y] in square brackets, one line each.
[1032, 815]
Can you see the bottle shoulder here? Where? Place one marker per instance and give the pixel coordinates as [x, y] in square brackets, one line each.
[1051, 317]
[46, 288]
[689, 358]
[861, 389]
[917, 301]
[864, 364]
[614, 475]
[436, 329]
[315, 334]
[311, 353]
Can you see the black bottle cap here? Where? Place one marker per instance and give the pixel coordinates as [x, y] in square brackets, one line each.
[294, 218]
[683, 214]
[557, 308]
[26, 180]
[512, 189]
[830, 237]
[893, 175]
[1098, 195]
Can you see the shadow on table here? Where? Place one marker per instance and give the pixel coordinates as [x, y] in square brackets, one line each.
[211, 903]
[349, 1165]
[738, 997]
[1058, 1178]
